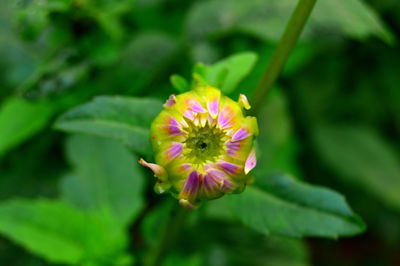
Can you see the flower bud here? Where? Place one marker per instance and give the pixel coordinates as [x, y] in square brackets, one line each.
[203, 146]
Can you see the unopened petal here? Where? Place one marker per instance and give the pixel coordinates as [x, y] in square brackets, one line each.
[158, 170]
[244, 102]
[171, 101]
[250, 162]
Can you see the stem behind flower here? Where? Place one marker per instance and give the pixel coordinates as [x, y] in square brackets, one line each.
[168, 238]
[289, 38]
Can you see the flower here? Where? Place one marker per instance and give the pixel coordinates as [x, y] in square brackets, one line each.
[203, 146]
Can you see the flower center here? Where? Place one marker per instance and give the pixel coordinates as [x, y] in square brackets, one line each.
[204, 144]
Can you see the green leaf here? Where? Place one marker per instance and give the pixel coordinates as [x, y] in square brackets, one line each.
[156, 221]
[122, 118]
[60, 233]
[267, 19]
[144, 59]
[234, 245]
[278, 145]
[280, 205]
[352, 17]
[361, 157]
[174, 259]
[107, 178]
[179, 83]
[33, 17]
[19, 120]
[17, 62]
[227, 73]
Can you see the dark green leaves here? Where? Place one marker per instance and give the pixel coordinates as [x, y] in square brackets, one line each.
[280, 205]
[61, 233]
[19, 120]
[107, 178]
[354, 18]
[143, 60]
[267, 19]
[360, 157]
[122, 118]
[229, 244]
[88, 225]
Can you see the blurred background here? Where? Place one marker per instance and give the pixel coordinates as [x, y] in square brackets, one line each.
[333, 118]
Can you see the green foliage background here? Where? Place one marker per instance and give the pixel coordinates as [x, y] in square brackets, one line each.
[81, 81]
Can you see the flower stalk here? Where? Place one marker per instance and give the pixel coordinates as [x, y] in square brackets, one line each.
[168, 238]
[286, 44]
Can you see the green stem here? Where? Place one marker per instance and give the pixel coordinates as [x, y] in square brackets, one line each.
[168, 238]
[282, 52]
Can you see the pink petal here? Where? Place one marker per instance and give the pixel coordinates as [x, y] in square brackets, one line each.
[240, 134]
[213, 107]
[186, 166]
[158, 170]
[227, 186]
[232, 147]
[174, 151]
[213, 182]
[171, 101]
[216, 174]
[191, 187]
[229, 168]
[195, 106]
[225, 117]
[210, 186]
[173, 128]
[174, 131]
[173, 122]
[250, 162]
[244, 102]
[188, 114]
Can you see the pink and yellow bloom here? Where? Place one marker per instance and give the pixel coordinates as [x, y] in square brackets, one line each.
[203, 146]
